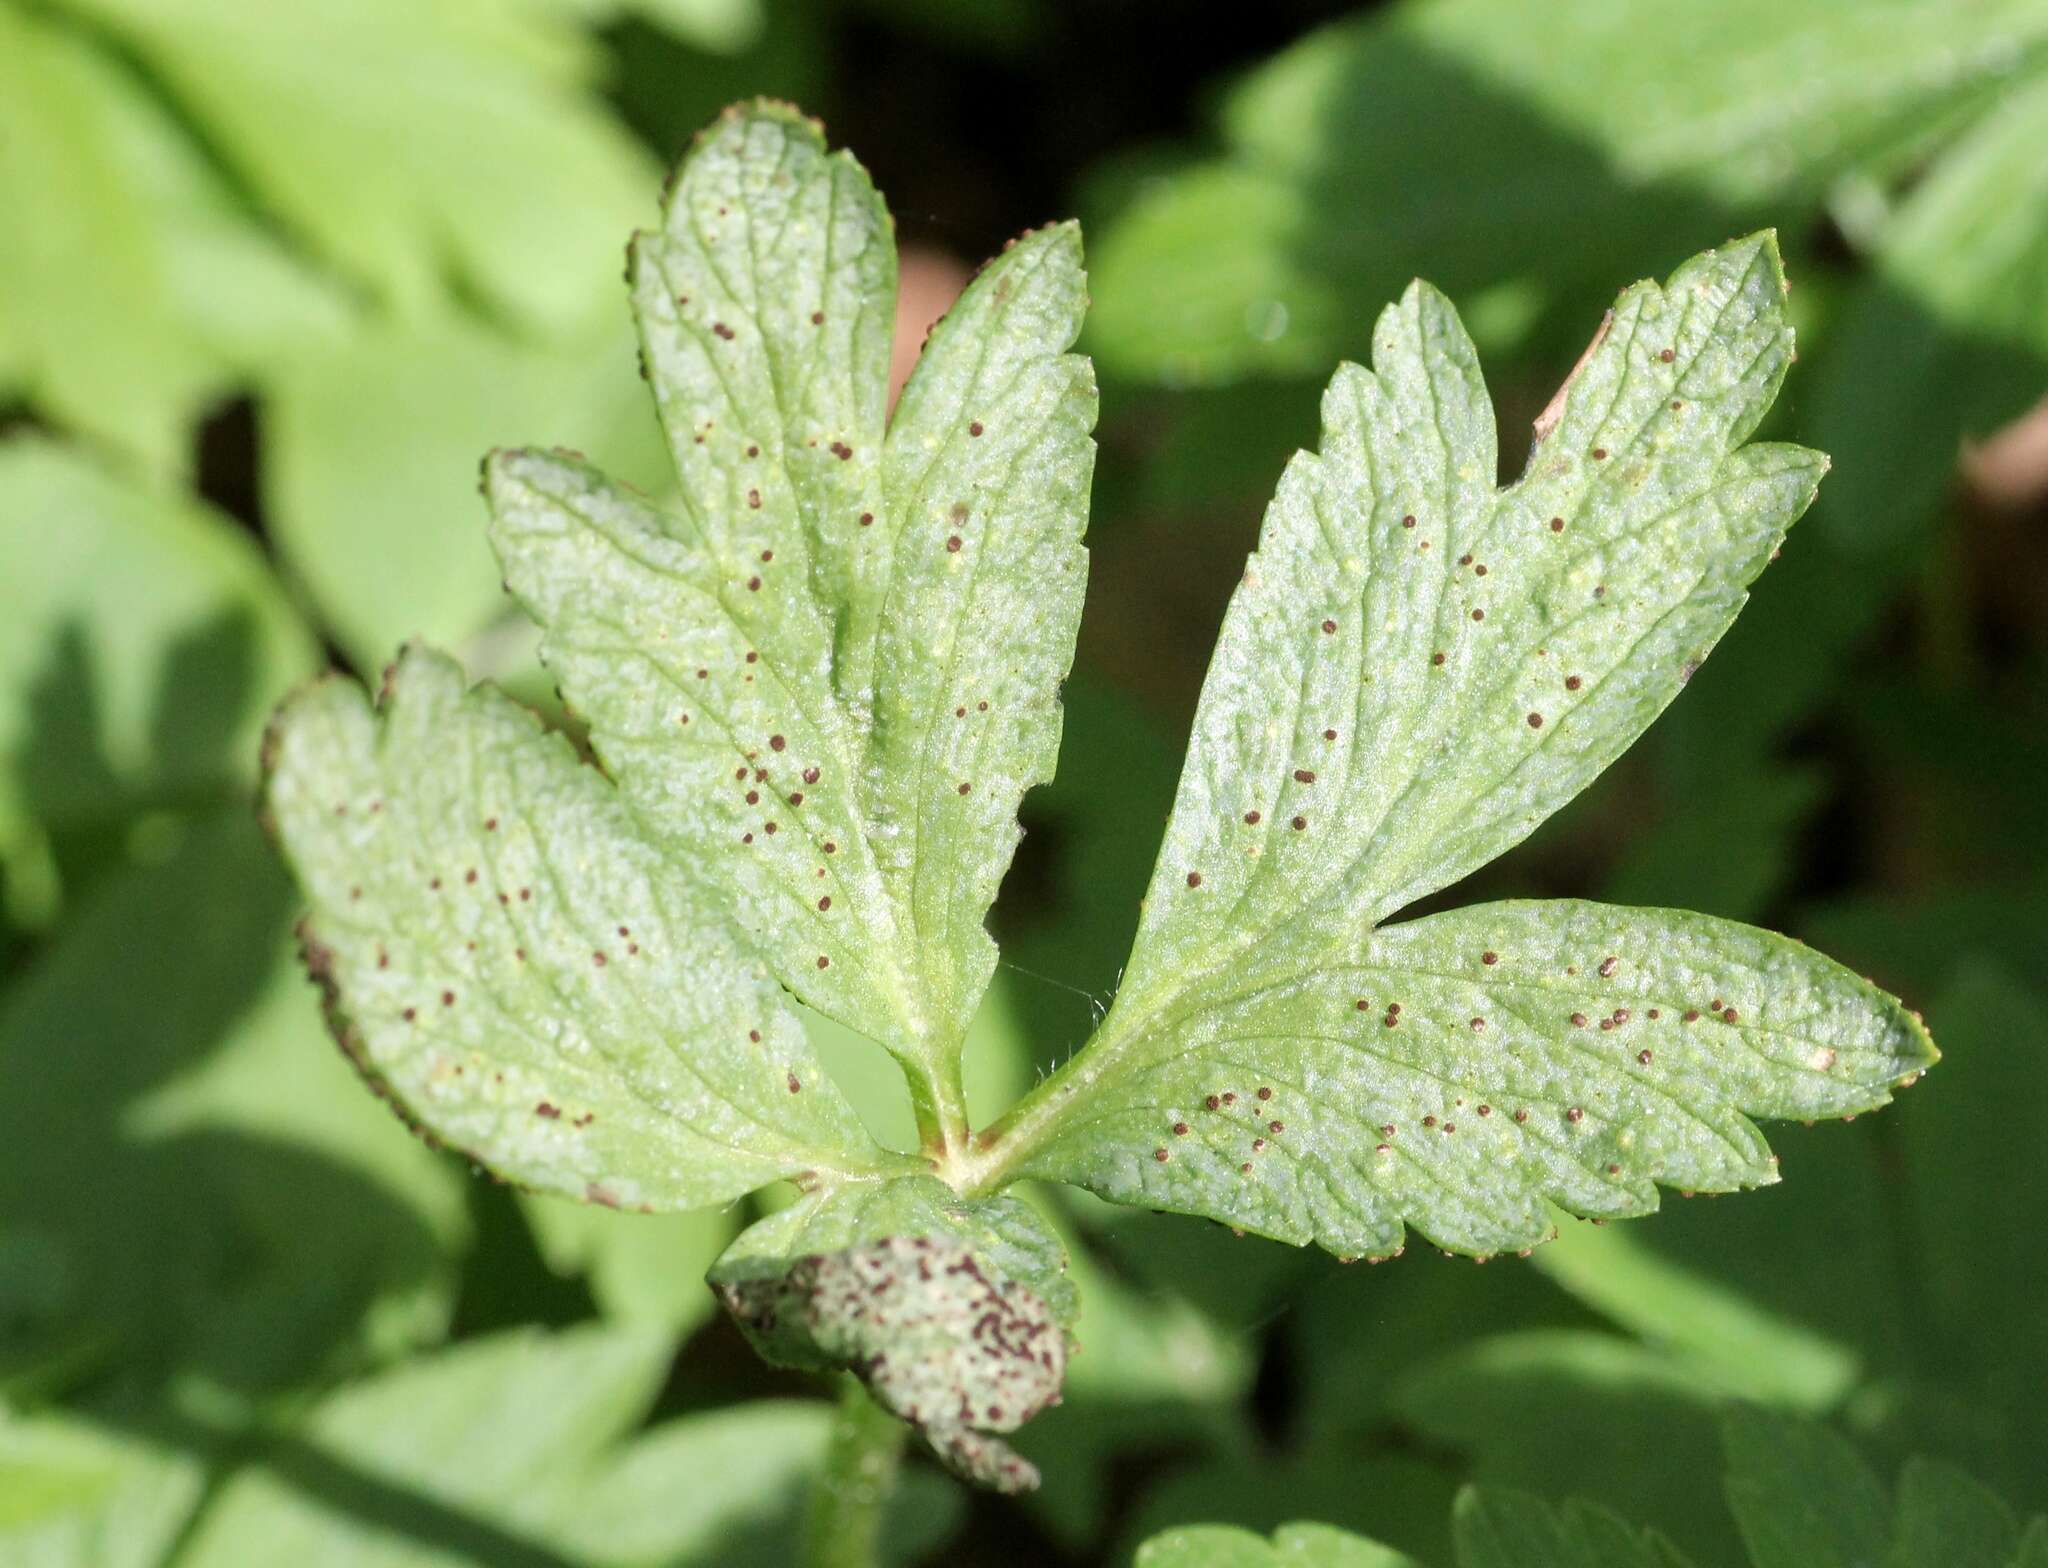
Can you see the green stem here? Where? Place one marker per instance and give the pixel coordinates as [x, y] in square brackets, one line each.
[940, 1103]
[845, 1524]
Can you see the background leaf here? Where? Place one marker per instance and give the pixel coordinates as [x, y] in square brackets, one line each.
[142, 644]
[188, 1150]
[1562, 146]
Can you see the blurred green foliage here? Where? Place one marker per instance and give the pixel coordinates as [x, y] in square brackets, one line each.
[273, 277]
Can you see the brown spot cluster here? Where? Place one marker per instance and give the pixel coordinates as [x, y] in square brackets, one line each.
[940, 1339]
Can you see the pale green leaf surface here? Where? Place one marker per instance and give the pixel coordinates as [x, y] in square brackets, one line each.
[1615, 562]
[1004, 1233]
[1535, 1103]
[956, 1313]
[1417, 669]
[793, 676]
[511, 961]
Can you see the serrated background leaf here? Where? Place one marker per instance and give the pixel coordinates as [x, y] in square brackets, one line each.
[77, 241]
[373, 445]
[1801, 1492]
[306, 108]
[1957, 299]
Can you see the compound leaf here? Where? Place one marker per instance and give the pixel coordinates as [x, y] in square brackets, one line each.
[828, 676]
[520, 971]
[1418, 668]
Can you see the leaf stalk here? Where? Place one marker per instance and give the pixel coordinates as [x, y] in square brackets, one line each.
[844, 1527]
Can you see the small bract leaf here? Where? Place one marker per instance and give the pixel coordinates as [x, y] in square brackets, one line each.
[955, 1314]
[1418, 669]
[827, 678]
[520, 971]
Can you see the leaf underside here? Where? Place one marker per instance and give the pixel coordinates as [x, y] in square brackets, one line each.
[1417, 669]
[828, 677]
[520, 971]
